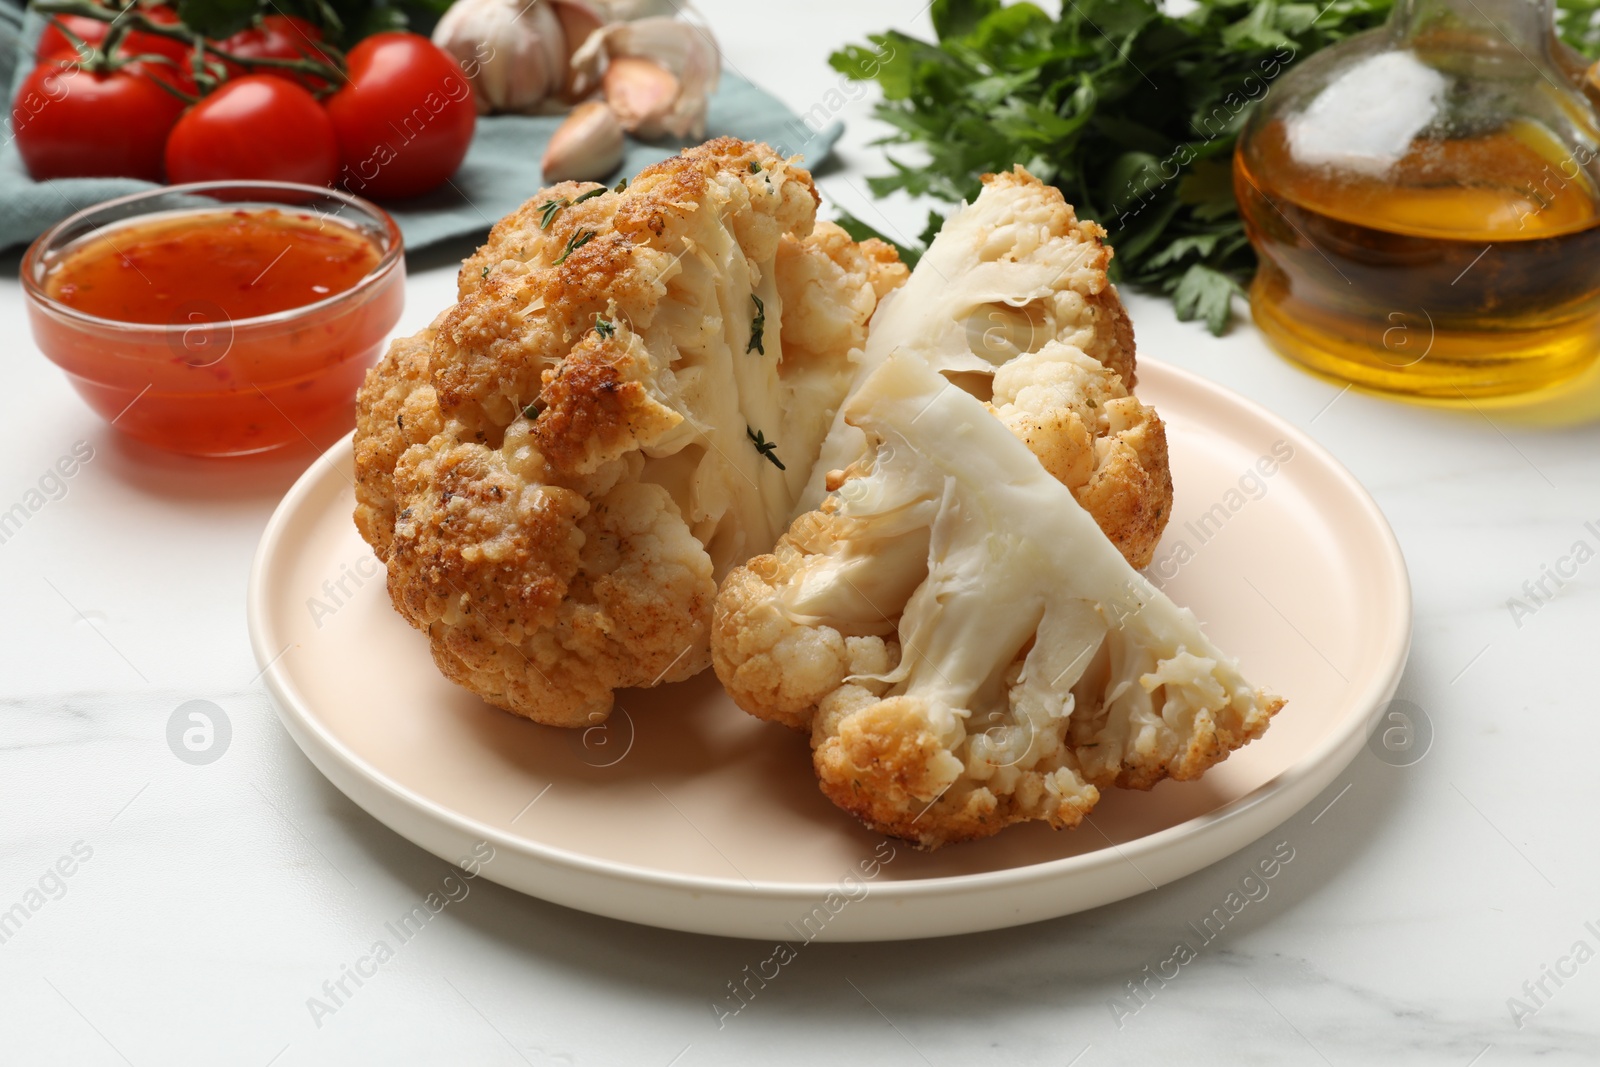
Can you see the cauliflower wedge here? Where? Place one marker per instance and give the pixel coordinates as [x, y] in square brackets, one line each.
[624, 403]
[965, 646]
[1012, 302]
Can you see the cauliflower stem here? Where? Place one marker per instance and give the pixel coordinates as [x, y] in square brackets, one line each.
[964, 644]
[1013, 302]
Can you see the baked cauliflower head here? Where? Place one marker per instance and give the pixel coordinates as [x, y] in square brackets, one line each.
[624, 403]
[1012, 302]
[964, 644]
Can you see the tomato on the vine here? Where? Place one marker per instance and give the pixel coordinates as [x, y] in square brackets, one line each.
[53, 44]
[174, 65]
[71, 121]
[259, 126]
[279, 37]
[405, 118]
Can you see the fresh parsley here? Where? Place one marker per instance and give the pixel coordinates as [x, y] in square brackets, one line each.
[758, 328]
[575, 242]
[765, 447]
[1130, 111]
[604, 327]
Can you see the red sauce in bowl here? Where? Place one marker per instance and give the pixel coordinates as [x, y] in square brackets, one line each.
[221, 330]
[241, 264]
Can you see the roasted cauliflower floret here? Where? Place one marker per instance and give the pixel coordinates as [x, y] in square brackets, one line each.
[965, 646]
[1012, 303]
[1076, 416]
[623, 404]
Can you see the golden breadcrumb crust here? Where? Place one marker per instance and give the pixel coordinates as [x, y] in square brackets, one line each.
[513, 459]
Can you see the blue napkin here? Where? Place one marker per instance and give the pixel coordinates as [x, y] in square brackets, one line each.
[502, 168]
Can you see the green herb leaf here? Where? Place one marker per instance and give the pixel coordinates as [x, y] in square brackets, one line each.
[217, 18]
[590, 195]
[758, 327]
[1579, 23]
[765, 447]
[604, 327]
[622, 186]
[485, 272]
[381, 18]
[549, 210]
[1203, 293]
[957, 18]
[575, 242]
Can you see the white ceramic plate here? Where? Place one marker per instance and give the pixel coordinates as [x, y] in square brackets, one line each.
[685, 813]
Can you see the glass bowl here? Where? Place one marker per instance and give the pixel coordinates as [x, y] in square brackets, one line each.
[203, 384]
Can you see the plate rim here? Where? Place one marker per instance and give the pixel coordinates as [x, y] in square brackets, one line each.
[295, 710]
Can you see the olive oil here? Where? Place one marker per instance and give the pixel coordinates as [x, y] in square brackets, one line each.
[1468, 268]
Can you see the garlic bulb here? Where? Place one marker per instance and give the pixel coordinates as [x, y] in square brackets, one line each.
[657, 74]
[517, 54]
[629, 10]
[586, 147]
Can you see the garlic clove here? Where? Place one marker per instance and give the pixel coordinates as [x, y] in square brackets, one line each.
[551, 42]
[579, 21]
[640, 91]
[588, 146]
[529, 62]
[588, 64]
[684, 50]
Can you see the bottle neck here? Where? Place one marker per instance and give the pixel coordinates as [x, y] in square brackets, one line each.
[1526, 25]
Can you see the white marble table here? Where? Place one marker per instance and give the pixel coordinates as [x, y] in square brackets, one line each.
[206, 904]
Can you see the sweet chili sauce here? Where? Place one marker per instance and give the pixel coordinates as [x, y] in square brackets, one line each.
[193, 341]
[229, 265]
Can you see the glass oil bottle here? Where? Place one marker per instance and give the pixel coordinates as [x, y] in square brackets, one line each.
[1425, 201]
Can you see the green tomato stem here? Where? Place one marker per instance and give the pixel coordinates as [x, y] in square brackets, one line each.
[127, 18]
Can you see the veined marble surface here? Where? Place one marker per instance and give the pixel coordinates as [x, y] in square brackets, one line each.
[1446, 912]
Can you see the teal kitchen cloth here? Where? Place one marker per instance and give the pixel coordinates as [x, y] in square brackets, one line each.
[502, 169]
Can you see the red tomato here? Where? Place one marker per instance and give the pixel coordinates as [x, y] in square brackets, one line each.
[404, 120]
[278, 37]
[256, 127]
[53, 43]
[74, 123]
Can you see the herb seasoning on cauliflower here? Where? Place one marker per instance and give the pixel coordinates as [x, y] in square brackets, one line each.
[964, 644]
[624, 404]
